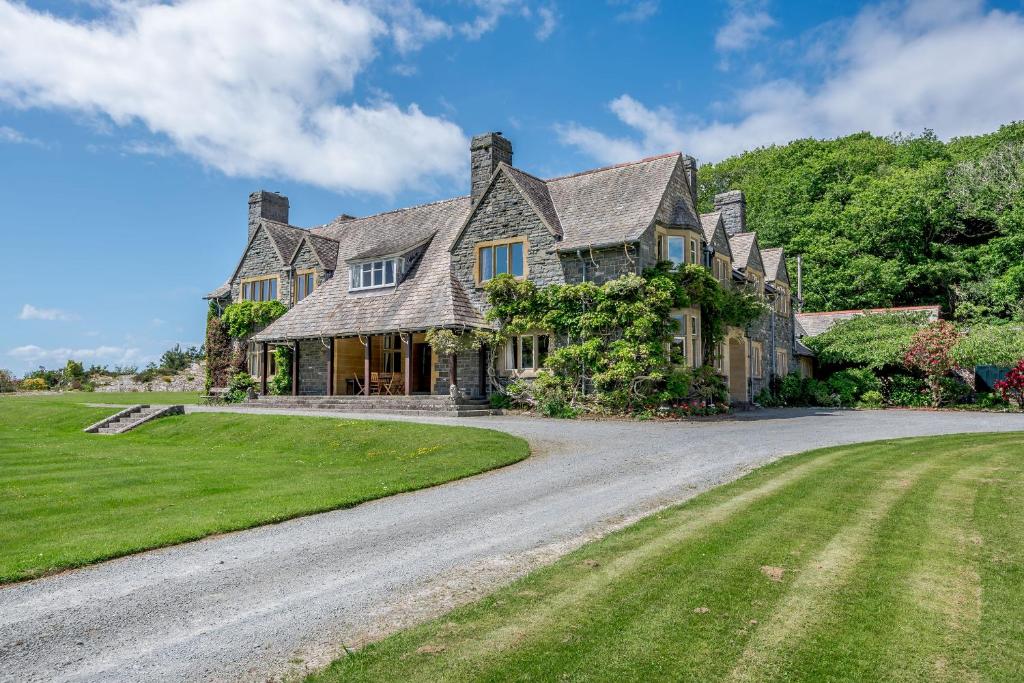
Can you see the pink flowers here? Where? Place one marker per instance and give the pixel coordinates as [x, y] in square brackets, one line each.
[930, 351]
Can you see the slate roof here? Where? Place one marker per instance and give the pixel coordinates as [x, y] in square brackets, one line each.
[813, 324]
[429, 296]
[612, 205]
[774, 264]
[712, 226]
[743, 245]
[602, 207]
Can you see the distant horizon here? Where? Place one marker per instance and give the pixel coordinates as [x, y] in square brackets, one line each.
[128, 163]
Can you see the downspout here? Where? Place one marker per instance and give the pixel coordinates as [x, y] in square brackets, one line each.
[583, 369]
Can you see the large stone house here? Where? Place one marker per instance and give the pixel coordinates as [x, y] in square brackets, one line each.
[362, 292]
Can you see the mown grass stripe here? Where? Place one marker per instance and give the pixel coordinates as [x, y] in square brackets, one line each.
[811, 592]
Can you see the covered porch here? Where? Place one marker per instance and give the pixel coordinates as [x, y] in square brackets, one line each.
[378, 365]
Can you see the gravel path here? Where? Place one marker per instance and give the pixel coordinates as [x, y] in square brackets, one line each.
[277, 600]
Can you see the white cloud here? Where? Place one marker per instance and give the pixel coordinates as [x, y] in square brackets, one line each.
[250, 87]
[16, 137]
[31, 353]
[30, 312]
[895, 68]
[747, 24]
[548, 23]
[491, 12]
[636, 10]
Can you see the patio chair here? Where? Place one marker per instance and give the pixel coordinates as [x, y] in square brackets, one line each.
[374, 382]
[357, 382]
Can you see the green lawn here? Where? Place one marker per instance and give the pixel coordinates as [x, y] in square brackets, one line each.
[69, 498]
[124, 397]
[899, 560]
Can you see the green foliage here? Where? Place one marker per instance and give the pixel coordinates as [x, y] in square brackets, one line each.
[219, 357]
[873, 341]
[245, 317]
[239, 386]
[930, 353]
[614, 339]
[905, 390]
[281, 383]
[33, 384]
[445, 342]
[891, 221]
[176, 359]
[1011, 387]
[871, 399]
[8, 383]
[1001, 345]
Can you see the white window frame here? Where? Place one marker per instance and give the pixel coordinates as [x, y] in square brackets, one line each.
[514, 353]
[366, 272]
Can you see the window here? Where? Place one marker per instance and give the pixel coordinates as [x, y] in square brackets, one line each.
[392, 353]
[680, 339]
[693, 252]
[260, 289]
[373, 274]
[757, 359]
[254, 360]
[781, 362]
[500, 258]
[694, 341]
[722, 270]
[527, 352]
[720, 358]
[303, 284]
[782, 300]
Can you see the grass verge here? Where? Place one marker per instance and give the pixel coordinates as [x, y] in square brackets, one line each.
[894, 560]
[69, 498]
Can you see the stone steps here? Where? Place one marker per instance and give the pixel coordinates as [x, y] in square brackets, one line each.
[131, 417]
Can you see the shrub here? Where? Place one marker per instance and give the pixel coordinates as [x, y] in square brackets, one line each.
[871, 399]
[177, 359]
[218, 353]
[1011, 388]
[239, 386]
[955, 392]
[991, 401]
[870, 340]
[930, 353]
[792, 390]
[906, 390]
[7, 381]
[819, 394]
[843, 387]
[33, 384]
[500, 400]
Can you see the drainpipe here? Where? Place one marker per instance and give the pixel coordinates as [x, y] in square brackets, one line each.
[583, 261]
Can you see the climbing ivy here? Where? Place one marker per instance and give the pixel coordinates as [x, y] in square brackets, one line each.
[281, 383]
[242, 318]
[613, 348]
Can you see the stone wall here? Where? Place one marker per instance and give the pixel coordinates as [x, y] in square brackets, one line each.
[261, 259]
[191, 379]
[468, 370]
[505, 213]
[313, 358]
[602, 265]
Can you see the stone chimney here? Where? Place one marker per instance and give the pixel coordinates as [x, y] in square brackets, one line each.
[486, 152]
[269, 205]
[690, 165]
[733, 206]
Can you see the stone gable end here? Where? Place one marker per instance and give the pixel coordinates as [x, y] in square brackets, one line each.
[260, 258]
[505, 213]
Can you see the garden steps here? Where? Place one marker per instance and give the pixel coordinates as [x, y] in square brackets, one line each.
[410, 405]
[131, 417]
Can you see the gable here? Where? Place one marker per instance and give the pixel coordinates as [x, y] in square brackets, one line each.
[260, 257]
[305, 258]
[676, 205]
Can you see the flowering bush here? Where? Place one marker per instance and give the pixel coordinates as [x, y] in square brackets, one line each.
[1012, 386]
[930, 353]
[33, 384]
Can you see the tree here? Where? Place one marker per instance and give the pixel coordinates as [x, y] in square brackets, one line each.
[1012, 386]
[930, 353]
[1001, 345]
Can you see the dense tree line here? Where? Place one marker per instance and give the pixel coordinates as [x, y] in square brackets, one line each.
[907, 219]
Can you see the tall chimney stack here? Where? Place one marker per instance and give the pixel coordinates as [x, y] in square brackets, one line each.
[486, 152]
[269, 205]
[690, 165]
[733, 206]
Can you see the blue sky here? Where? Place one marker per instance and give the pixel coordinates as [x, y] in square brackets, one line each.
[131, 132]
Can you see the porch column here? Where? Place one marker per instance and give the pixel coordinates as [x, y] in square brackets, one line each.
[453, 370]
[483, 371]
[330, 368]
[295, 369]
[407, 363]
[367, 353]
[263, 379]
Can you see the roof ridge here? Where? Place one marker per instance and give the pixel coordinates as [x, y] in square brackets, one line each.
[614, 166]
[390, 211]
[923, 307]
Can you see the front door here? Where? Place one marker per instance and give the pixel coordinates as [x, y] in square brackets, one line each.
[421, 362]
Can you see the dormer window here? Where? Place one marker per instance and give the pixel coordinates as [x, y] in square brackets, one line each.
[373, 274]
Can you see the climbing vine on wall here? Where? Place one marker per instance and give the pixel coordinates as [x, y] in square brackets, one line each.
[613, 347]
[244, 317]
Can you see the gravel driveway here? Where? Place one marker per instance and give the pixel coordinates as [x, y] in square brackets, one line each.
[273, 601]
